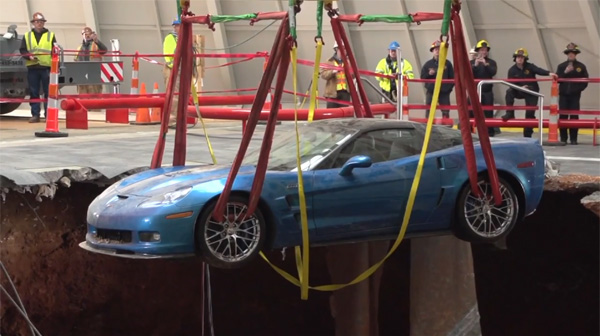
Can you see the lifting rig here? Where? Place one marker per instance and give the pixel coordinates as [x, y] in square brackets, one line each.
[280, 60]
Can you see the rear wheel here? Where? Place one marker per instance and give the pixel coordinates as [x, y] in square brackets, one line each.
[8, 107]
[234, 241]
[479, 219]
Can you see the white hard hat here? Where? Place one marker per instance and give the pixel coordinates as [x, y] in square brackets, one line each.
[335, 45]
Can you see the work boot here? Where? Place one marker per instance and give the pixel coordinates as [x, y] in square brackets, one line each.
[508, 116]
[34, 119]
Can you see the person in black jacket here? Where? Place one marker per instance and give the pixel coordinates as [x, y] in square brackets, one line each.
[569, 93]
[485, 68]
[429, 71]
[524, 70]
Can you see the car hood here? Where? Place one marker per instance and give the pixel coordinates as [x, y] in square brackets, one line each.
[172, 179]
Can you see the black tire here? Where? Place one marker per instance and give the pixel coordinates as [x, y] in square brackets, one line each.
[245, 236]
[478, 220]
[8, 107]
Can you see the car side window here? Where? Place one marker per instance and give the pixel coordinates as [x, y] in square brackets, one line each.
[444, 137]
[380, 146]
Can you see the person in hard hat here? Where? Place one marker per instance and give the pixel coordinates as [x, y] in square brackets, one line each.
[91, 49]
[336, 86]
[485, 68]
[569, 93]
[429, 71]
[522, 69]
[169, 45]
[389, 66]
[36, 49]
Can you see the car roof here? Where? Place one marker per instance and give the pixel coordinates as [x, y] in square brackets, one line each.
[364, 124]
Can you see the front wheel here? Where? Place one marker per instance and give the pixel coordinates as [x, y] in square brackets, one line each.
[234, 241]
[479, 219]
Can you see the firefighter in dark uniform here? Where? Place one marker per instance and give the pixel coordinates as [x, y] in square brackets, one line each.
[524, 70]
[485, 68]
[429, 71]
[569, 93]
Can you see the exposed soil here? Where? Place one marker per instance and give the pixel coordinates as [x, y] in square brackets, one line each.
[546, 283]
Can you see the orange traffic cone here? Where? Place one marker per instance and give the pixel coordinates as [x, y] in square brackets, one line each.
[155, 112]
[142, 116]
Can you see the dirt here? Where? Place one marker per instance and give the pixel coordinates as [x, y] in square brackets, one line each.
[546, 282]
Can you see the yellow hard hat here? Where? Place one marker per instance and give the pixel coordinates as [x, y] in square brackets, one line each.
[521, 52]
[572, 47]
[482, 44]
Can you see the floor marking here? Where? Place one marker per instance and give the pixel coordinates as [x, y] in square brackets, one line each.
[569, 158]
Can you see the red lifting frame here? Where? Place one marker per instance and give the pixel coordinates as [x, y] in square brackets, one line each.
[351, 69]
[280, 47]
[465, 75]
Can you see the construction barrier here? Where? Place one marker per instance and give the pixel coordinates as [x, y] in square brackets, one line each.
[553, 117]
[52, 130]
[155, 112]
[142, 114]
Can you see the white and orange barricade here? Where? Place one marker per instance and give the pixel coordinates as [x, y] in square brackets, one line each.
[52, 130]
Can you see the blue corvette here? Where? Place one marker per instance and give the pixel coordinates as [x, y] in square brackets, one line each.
[357, 176]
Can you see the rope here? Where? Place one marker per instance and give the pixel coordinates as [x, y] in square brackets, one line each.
[18, 303]
[246, 40]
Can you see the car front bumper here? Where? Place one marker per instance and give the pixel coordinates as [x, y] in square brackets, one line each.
[129, 254]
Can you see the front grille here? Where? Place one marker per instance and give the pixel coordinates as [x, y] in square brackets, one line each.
[113, 236]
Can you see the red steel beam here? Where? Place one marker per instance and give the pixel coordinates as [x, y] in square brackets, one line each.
[533, 123]
[69, 104]
[286, 114]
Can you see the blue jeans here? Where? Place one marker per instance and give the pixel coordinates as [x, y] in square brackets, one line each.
[38, 78]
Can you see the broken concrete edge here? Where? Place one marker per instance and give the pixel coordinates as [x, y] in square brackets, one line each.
[592, 202]
[53, 179]
[45, 183]
[578, 183]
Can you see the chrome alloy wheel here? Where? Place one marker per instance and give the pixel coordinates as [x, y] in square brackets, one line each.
[483, 217]
[236, 237]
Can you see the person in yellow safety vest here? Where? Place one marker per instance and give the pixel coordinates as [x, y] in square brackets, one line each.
[169, 45]
[36, 49]
[91, 49]
[336, 86]
[389, 66]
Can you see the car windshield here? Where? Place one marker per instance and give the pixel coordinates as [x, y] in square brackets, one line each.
[315, 144]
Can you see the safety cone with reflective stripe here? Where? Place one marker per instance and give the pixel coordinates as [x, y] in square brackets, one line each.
[155, 112]
[553, 118]
[142, 116]
[52, 112]
[135, 66]
[404, 100]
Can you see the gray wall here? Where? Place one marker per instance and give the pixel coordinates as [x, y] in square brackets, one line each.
[544, 27]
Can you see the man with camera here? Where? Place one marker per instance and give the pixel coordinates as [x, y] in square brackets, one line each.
[485, 68]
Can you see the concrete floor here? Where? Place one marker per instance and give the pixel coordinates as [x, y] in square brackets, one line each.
[113, 149]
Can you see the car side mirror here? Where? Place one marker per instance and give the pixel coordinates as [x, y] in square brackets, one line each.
[359, 161]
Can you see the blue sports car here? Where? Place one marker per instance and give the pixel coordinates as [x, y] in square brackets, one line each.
[357, 177]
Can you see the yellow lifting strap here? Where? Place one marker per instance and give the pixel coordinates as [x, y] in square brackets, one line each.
[315, 83]
[302, 262]
[197, 105]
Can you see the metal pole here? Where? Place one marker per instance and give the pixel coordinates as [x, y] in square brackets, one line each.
[400, 84]
[541, 126]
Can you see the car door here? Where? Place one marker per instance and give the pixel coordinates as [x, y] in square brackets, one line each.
[370, 199]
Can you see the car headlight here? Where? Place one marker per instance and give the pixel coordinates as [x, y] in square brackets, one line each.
[166, 199]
